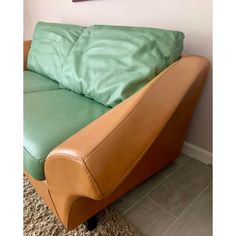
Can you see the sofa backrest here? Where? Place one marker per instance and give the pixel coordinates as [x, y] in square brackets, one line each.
[50, 47]
[105, 63]
[110, 63]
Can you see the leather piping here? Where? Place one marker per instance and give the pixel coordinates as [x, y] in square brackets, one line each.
[87, 172]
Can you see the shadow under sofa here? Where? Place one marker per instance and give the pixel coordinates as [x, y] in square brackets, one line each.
[124, 146]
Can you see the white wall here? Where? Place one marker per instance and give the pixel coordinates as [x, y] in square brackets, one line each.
[193, 17]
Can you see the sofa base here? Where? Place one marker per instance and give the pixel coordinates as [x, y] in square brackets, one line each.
[91, 223]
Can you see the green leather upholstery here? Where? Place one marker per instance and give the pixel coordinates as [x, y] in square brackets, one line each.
[50, 117]
[50, 47]
[105, 63]
[34, 82]
[110, 63]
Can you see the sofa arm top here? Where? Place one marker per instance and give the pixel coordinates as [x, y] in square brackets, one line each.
[95, 160]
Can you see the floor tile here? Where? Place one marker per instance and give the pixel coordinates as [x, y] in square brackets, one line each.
[122, 204]
[176, 192]
[171, 168]
[196, 220]
[148, 218]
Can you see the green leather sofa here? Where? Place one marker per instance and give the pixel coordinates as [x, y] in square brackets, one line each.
[88, 91]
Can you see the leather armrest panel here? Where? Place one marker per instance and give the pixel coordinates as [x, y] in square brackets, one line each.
[96, 159]
[27, 45]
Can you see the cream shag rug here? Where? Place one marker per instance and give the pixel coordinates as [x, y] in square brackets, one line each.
[40, 221]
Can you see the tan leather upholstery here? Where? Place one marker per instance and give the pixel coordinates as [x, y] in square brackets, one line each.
[123, 147]
[42, 189]
[27, 45]
[95, 161]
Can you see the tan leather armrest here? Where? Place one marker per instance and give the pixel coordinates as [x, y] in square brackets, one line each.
[27, 45]
[96, 159]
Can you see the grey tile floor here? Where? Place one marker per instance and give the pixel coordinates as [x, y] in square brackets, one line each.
[177, 201]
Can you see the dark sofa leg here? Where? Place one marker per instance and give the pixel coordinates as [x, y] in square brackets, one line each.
[91, 223]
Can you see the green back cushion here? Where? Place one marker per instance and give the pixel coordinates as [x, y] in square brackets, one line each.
[110, 63]
[50, 47]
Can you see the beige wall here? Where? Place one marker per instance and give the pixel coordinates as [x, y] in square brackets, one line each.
[193, 17]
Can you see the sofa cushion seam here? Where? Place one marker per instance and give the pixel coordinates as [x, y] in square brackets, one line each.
[33, 156]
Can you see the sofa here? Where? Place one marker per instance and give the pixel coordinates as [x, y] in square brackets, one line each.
[105, 107]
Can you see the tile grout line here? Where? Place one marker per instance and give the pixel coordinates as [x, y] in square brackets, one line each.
[165, 178]
[162, 207]
[194, 200]
[177, 168]
[139, 200]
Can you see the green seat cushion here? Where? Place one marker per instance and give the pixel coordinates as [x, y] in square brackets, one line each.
[34, 82]
[50, 46]
[50, 117]
[110, 63]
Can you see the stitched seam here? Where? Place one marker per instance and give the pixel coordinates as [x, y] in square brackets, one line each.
[43, 91]
[33, 156]
[67, 56]
[76, 41]
[78, 157]
[92, 179]
[85, 168]
[53, 203]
